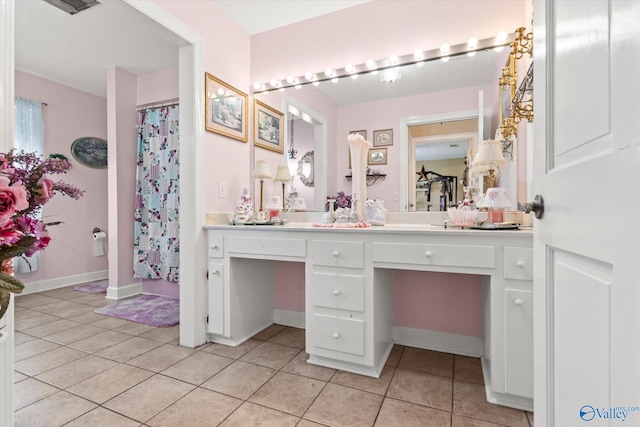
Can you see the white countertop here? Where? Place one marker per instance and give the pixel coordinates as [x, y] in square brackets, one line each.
[387, 228]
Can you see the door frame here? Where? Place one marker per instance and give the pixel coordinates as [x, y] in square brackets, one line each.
[405, 142]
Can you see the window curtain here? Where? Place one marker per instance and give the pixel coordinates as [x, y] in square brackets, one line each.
[156, 239]
[29, 137]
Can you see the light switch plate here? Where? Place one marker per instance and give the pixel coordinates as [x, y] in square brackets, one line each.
[222, 190]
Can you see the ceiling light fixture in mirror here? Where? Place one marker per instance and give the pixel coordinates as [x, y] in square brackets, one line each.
[419, 57]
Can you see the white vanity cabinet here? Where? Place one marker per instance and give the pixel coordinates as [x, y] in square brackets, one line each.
[344, 326]
[349, 292]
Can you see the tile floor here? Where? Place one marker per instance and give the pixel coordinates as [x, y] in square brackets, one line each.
[77, 368]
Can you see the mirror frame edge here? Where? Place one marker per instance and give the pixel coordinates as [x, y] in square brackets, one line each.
[404, 149]
[319, 146]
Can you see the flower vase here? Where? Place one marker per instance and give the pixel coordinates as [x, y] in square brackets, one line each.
[359, 149]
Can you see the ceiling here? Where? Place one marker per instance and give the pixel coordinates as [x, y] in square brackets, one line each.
[75, 50]
[257, 16]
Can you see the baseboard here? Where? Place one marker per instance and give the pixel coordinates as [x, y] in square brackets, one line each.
[439, 341]
[121, 292]
[61, 282]
[295, 319]
[510, 400]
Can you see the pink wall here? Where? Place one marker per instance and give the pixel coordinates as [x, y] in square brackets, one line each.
[444, 302]
[70, 114]
[157, 86]
[121, 109]
[227, 56]
[289, 286]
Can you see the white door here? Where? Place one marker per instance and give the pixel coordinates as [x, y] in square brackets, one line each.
[587, 250]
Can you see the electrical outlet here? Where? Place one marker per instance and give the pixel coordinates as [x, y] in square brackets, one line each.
[222, 190]
[396, 196]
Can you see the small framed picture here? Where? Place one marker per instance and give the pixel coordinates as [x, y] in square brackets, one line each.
[268, 131]
[363, 133]
[226, 109]
[382, 138]
[377, 156]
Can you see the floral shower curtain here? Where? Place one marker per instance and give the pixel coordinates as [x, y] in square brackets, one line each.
[156, 241]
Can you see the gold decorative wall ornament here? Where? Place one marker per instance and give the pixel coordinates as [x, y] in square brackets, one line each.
[518, 104]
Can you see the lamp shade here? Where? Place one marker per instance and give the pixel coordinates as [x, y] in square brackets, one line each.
[274, 202]
[496, 197]
[299, 204]
[293, 166]
[262, 170]
[282, 174]
[489, 156]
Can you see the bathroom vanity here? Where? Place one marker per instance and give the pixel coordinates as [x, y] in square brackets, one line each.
[349, 291]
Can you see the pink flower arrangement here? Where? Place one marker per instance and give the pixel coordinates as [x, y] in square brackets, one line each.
[24, 188]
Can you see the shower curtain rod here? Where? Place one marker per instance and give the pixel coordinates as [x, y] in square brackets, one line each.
[167, 103]
[44, 104]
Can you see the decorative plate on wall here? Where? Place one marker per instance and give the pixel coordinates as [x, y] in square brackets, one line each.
[90, 151]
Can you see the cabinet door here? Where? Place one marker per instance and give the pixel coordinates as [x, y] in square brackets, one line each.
[518, 321]
[215, 302]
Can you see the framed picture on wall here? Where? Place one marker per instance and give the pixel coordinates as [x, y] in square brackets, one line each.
[226, 110]
[363, 133]
[377, 156]
[382, 138]
[268, 131]
[91, 152]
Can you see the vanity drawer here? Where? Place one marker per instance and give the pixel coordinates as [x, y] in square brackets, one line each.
[275, 247]
[215, 298]
[443, 255]
[216, 248]
[334, 333]
[518, 263]
[341, 291]
[337, 254]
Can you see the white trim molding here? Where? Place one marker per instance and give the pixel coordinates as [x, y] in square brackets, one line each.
[294, 319]
[61, 282]
[439, 341]
[122, 292]
[192, 211]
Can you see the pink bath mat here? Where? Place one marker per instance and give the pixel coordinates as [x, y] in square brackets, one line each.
[154, 310]
[94, 287]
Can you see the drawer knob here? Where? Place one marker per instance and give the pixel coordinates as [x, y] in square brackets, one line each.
[214, 247]
[336, 253]
[336, 292]
[520, 264]
[428, 254]
[517, 301]
[216, 272]
[336, 335]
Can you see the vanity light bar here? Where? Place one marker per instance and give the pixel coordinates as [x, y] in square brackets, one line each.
[384, 64]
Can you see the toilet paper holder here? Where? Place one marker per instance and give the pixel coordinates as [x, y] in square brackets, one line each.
[96, 230]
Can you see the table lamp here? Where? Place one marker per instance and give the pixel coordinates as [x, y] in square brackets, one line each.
[261, 172]
[488, 160]
[283, 176]
[496, 200]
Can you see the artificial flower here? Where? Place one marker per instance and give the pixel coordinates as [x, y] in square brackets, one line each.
[24, 188]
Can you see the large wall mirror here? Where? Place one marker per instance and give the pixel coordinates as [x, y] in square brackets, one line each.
[429, 88]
